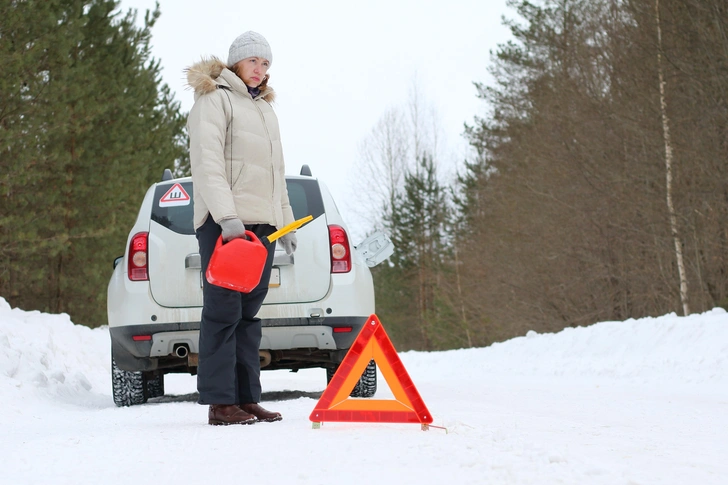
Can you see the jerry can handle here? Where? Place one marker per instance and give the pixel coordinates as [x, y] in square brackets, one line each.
[249, 236]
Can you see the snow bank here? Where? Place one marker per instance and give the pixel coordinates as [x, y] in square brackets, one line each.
[50, 355]
[667, 349]
[47, 354]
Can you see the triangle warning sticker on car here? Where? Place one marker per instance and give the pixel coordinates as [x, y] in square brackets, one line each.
[175, 196]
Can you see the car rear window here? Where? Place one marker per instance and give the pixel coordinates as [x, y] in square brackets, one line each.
[173, 211]
[305, 198]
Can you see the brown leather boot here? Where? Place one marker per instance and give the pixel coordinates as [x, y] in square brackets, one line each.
[224, 414]
[261, 413]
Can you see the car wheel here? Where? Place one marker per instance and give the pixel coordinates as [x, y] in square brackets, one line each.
[129, 387]
[367, 385]
[155, 385]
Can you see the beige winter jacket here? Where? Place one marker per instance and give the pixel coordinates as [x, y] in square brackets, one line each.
[235, 150]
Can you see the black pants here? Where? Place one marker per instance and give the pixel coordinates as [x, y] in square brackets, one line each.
[229, 365]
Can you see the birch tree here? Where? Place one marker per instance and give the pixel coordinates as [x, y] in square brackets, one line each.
[668, 169]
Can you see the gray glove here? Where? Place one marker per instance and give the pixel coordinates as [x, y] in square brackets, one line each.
[231, 229]
[289, 242]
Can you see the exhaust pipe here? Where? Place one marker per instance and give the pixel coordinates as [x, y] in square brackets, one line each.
[181, 351]
[265, 357]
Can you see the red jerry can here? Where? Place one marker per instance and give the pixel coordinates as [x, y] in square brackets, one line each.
[237, 264]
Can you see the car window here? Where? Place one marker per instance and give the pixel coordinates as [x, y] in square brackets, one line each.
[177, 215]
[305, 198]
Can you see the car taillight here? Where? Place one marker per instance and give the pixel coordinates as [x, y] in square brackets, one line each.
[138, 264]
[340, 251]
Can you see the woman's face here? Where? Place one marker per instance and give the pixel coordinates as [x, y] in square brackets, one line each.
[252, 70]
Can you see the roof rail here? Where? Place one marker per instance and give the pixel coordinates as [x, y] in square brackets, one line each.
[305, 170]
[167, 175]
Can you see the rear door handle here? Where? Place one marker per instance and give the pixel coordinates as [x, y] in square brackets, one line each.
[282, 259]
[192, 261]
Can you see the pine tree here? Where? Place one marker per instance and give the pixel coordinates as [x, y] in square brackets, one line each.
[87, 127]
[418, 228]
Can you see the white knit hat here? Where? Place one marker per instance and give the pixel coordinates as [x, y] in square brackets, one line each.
[249, 44]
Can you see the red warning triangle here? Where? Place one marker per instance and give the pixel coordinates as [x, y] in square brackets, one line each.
[371, 344]
[175, 196]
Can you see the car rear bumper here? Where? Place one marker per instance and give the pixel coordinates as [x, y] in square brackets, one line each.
[293, 342]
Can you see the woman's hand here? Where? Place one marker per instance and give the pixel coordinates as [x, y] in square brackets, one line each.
[289, 242]
[231, 229]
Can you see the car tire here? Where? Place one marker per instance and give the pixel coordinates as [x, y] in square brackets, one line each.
[155, 385]
[129, 387]
[367, 385]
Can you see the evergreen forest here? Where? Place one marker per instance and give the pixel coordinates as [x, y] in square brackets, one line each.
[86, 125]
[596, 188]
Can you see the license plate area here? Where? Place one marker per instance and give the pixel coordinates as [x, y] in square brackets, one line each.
[275, 277]
[274, 282]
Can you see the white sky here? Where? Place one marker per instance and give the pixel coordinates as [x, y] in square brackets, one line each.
[338, 66]
[614, 403]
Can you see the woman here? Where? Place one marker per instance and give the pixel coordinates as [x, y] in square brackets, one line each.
[239, 183]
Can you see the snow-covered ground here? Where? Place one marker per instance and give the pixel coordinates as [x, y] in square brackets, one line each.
[636, 402]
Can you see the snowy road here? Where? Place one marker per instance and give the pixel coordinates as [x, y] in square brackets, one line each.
[637, 402]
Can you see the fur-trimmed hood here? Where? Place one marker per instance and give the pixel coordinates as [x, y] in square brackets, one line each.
[206, 75]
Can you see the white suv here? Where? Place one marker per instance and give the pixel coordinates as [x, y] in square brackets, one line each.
[318, 298]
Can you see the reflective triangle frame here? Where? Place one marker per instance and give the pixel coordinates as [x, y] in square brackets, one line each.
[335, 405]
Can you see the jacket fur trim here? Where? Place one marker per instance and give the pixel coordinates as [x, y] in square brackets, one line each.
[204, 77]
